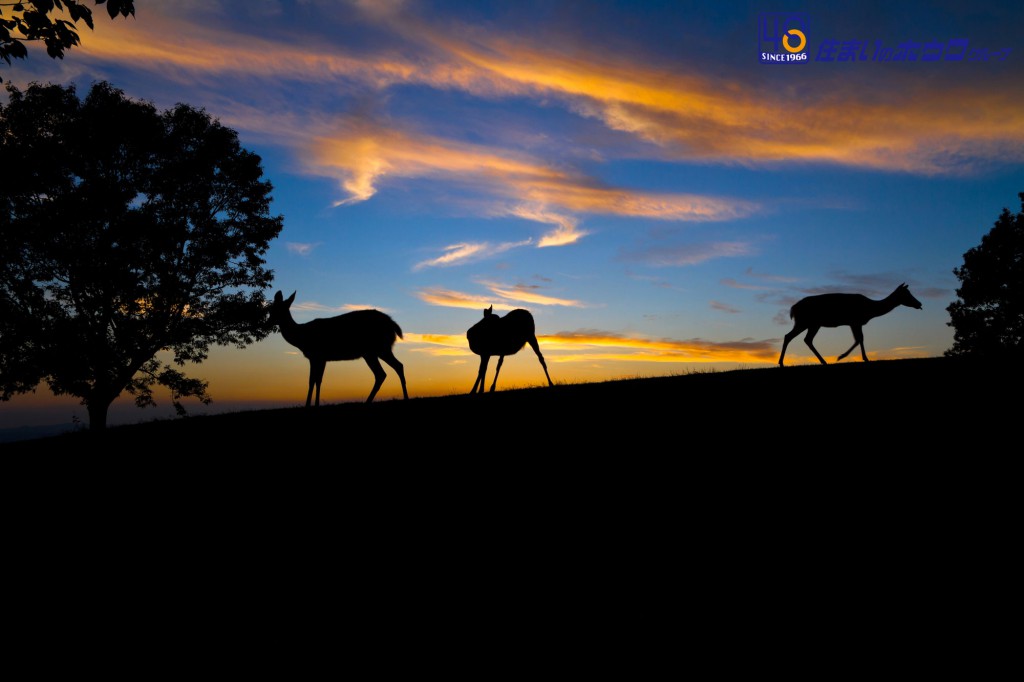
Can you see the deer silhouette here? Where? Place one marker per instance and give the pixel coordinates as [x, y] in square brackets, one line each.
[501, 336]
[842, 310]
[366, 334]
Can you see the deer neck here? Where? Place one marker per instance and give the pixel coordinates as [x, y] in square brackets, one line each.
[886, 305]
[292, 331]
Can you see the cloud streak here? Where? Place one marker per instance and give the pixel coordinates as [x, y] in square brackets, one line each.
[687, 115]
[363, 153]
[503, 297]
[689, 254]
[459, 254]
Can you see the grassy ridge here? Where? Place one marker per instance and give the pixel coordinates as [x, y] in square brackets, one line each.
[881, 404]
[909, 461]
[887, 487]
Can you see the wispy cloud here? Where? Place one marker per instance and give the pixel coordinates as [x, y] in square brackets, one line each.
[458, 254]
[908, 126]
[690, 254]
[691, 116]
[769, 277]
[503, 297]
[529, 294]
[452, 299]
[565, 232]
[300, 248]
[732, 283]
[724, 307]
[363, 153]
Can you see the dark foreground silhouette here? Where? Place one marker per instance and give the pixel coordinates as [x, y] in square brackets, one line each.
[366, 334]
[941, 403]
[501, 336]
[842, 310]
[889, 481]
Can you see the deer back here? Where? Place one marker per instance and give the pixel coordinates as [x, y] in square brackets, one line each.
[832, 310]
[346, 337]
[506, 335]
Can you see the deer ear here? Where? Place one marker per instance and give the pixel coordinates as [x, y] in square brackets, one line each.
[291, 298]
[278, 298]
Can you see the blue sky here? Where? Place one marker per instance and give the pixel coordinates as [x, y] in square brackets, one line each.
[627, 171]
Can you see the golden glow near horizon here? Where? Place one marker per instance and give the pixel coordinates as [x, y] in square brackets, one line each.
[596, 346]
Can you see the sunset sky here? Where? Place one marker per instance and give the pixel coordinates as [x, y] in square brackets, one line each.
[627, 171]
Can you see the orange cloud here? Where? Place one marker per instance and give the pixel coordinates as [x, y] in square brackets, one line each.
[362, 153]
[913, 127]
[518, 294]
[452, 299]
[565, 232]
[525, 294]
[694, 117]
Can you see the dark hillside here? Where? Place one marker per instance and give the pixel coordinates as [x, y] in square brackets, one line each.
[889, 474]
[879, 407]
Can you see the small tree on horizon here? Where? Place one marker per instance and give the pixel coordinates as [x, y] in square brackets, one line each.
[988, 317]
[124, 232]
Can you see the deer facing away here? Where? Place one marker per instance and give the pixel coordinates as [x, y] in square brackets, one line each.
[501, 336]
[842, 310]
[366, 334]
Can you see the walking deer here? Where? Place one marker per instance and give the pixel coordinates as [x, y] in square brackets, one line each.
[842, 310]
[366, 334]
[501, 336]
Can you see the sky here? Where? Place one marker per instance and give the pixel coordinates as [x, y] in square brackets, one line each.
[629, 172]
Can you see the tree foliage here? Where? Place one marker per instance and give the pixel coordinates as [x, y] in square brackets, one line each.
[38, 20]
[988, 317]
[124, 232]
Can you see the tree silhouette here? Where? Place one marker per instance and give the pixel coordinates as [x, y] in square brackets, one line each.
[124, 232]
[988, 317]
[22, 22]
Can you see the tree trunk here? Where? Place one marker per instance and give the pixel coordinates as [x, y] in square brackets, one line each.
[97, 415]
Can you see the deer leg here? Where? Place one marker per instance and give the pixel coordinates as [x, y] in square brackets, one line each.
[536, 349]
[809, 338]
[399, 368]
[858, 340]
[316, 377]
[501, 359]
[379, 375]
[481, 373]
[789, 337]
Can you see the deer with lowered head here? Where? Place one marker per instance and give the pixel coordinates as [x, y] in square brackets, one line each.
[366, 334]
[842, 310]
[501, 336]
